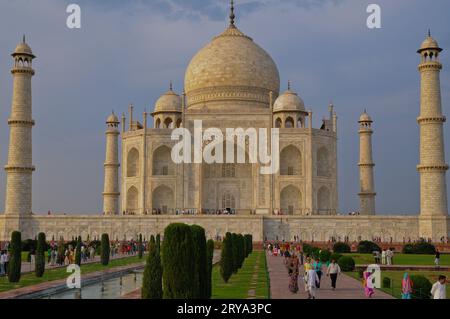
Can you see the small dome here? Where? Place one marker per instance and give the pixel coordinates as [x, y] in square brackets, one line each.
[23, 48]
[112, 119]
[168, 102]
[429, 43]
[289, 101]
[365, 117]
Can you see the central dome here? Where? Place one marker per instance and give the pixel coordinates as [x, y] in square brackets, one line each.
[231, 68]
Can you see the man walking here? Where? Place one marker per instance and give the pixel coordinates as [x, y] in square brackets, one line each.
[438, 289]
[333, 271]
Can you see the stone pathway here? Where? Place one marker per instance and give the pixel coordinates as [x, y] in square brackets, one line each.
[347, 287]
[252, 292]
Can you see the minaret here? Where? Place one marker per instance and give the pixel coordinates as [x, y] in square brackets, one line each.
[367, 192]
[111, 189]
[432, 167]
[20, 167]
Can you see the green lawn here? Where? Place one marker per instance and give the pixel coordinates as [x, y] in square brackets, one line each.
[239, 284]
[403, 259]
[60, 273]
[397, 276]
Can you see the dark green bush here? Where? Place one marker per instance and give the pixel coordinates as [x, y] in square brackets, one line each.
[335, 256]
[325, 255]
[346, 263]
[29, 244]
[78, 252]
[15, 261]
[140, 247]
[209, 265]
[367, 247]
[39, 266]
[200, 262]
[105, 250]
[342, 248]
[421, 287]
[226, 261]
[386, 282]
[421, 248]
[178, 262]
[241, 244]
[236, 253]
[152, 280]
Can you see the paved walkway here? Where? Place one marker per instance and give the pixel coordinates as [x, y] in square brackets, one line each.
[347, 287]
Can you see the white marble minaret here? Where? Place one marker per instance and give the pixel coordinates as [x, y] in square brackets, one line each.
[20, 164]
[111, 188]
[432, 167]
[367, 185]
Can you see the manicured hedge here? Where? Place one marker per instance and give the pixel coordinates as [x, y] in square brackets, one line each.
[226, 261]
[152, 280]
[200, 262]
[325, 255]
[421, 248]
[105, 250]
[15, 262]
[367, 247]
[78, 252]
[341, 248]
[346, 263]
[209, 266]
[178, 262]
[39, 266]
[421, 287]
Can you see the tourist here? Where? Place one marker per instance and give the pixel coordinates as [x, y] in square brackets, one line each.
[301, 258]
[383, 257]
[2, 263]
[389, 256]
[7, 257]
[333, 271]
[437, 258]
[438, 291]
[312, 282]
[293, 274]
[368, 285]
[318, 269]
[53, 257]
[49, 254]
[66, 257]
[92, 252]
[407, 286]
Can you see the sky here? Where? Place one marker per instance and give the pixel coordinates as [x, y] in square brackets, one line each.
[129, 51]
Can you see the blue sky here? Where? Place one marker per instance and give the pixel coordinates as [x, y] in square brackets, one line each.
[128, 51]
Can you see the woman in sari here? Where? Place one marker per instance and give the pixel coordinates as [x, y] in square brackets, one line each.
[407, 286]
[293, 274]
[368, 286]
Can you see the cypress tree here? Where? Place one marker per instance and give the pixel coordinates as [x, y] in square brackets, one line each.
[199, 250]
[15, 262]
[39, 266]
[61, 251]
[158, 242]
[178, 262]
[152, 281]
[241, 244]
[104, 250]
[140, 247]
[226, 260]
[209, 265]
[235, 250]
[78, 251]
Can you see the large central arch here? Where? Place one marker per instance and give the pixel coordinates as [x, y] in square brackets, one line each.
[163, 199]
[290, 200]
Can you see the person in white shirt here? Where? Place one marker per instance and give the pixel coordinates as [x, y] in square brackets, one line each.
[333, 271]
[312, 283]
[438, 289]
[383, 257]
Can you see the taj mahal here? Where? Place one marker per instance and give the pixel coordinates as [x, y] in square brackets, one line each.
[232, 82]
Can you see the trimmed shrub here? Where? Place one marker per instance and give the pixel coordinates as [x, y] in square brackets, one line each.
[236, 252]
[140, 247]
[241, 243]
[335, 256]
[209, 266]
[105, 250]
[39, 266]
[325, 255]
[29, 245]
[386, 282]
[421, 248]
[158, 242]
[346, 263]
[15, 262]
[367, 247]
[200, 263]
[60, 259]
[342, 248]
[421, 287]
[226, 261]
[78, 252]
[178, 262]
[152, 280]
[251, 242]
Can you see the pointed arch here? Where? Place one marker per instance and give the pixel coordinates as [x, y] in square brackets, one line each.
[289, 123]
[163, 199]
[290, 200]
[323, 200]
[133, 163]
[290, 161]
[162, 162]
[323, 162]
[132, 200]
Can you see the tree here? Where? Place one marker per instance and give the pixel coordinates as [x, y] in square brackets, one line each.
[105, 250]
[178, 262]
[15, 262]
[209, 266]
[226, 260]
[78, 251]
[60, 251]
[241, 246]
[140, 247]
[236, 252]
[39, 266]
[199, 251]
[152, 281]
